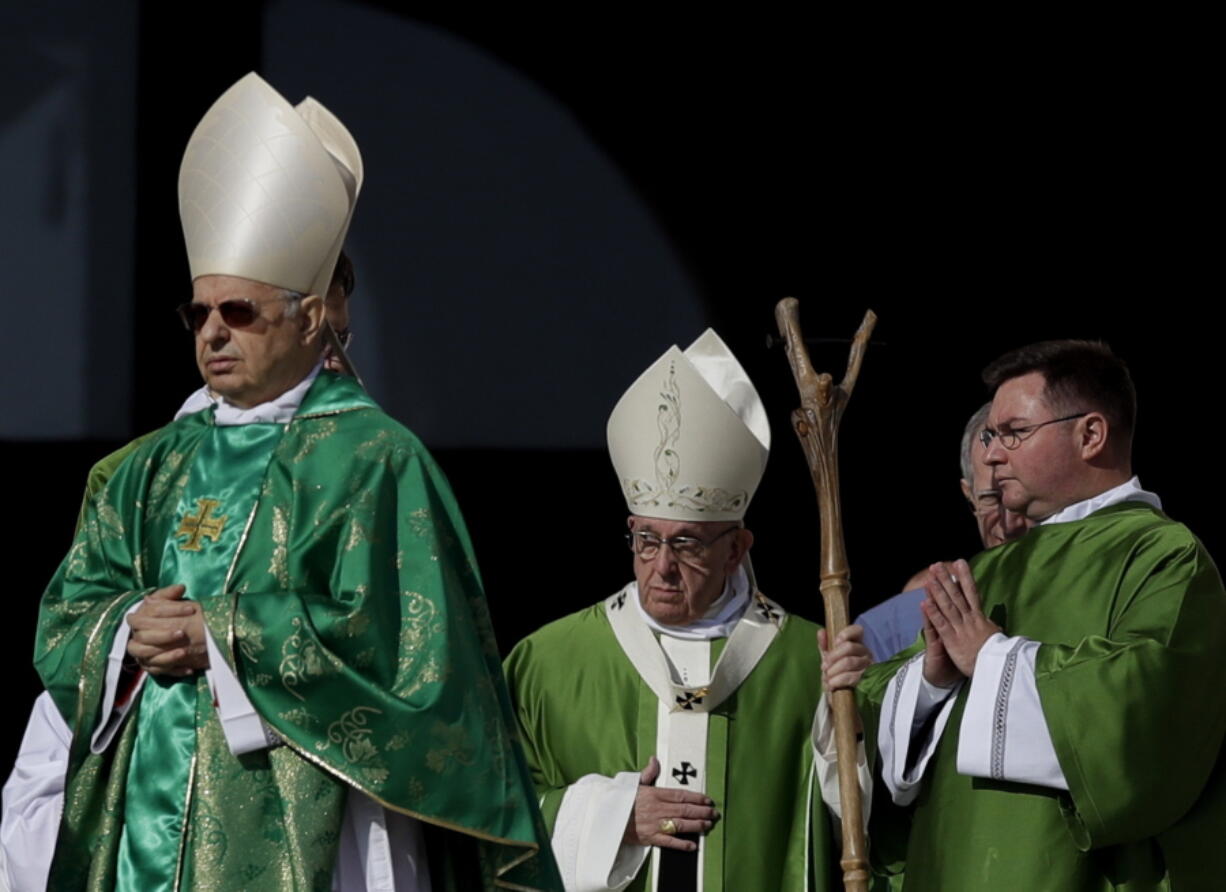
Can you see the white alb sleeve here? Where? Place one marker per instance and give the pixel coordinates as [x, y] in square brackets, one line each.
[380, 850]
[112, 716]
[1004, 735]
[587, 835]
[245, 731]
[825, 760]
[34, 798]
[906, 712]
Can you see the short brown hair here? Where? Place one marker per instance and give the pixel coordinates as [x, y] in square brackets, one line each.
[1079, 376]
[342, 274]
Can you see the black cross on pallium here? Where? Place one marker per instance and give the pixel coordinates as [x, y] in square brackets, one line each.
[684, 773]
[620, 602]
[690, 699]
[767, 612]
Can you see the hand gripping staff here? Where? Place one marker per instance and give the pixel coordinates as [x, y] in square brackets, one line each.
[816, 423]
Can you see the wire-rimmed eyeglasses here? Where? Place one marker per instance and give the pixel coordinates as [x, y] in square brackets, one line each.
[1012, 437]
[687, 548]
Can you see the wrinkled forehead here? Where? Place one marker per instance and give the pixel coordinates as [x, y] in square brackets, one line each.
[665, 528]
[214, 288]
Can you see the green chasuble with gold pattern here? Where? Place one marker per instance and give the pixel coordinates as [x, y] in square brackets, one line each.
[584, 709]
[1131, 614]
[338, 581]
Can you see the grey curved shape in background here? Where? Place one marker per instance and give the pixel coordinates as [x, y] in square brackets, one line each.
[511, 284]
[67, 106]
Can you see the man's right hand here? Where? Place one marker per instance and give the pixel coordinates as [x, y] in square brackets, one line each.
[168, 634]
[939, 667]
[692, 812]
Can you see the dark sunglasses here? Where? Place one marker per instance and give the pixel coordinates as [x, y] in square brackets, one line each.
[235, 312]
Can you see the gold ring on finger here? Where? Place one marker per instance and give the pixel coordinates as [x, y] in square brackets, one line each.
[668, 826]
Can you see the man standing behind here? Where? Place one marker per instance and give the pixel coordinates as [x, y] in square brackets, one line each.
[1062, 728]
[669, 727]
[894, 624]
[310, 694]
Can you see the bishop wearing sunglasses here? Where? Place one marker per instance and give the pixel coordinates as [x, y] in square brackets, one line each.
[269, 637]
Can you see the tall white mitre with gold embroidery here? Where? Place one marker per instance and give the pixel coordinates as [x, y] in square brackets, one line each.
[689, 440]
[267, 190]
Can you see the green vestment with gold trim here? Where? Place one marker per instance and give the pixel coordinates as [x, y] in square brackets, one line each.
[1131, 614]
[584, 709]
[349, 607]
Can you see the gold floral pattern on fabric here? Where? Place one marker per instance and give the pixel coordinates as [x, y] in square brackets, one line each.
[75, 563]
[352, 734]
[248, 635]
[454, 746]
[358, 623]
[267, 821]
[323, 430]
[358, 534]
[665, 491]
[110, 524]
[301, 659]
[300, 716]
[278, 564]
[164, 480]
[376, 446]
[419, 523]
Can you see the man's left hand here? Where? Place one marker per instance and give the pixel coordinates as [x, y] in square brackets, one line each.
[952, 607]
[845, 661]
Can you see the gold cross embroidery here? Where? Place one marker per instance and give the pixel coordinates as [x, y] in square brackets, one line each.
[201, 525]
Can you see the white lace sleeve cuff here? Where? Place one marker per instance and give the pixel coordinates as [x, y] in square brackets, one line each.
[906, 712]
[587, 835]
[244, 729]
[1004, 733]
[826, 762]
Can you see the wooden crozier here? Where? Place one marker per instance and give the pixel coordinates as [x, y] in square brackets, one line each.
[816, 423]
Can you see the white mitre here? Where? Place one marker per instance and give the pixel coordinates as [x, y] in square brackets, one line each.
[689, 439]
[267, 190]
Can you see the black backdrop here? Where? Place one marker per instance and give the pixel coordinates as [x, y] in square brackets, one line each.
[980, 184]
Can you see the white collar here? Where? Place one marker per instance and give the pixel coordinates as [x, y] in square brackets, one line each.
[722, 616]
[275, 411]
[1125, 492]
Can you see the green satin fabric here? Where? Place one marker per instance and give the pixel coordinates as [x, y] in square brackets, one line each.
[583, 709]
[160, 772]
[1131, 613]
[356, 621]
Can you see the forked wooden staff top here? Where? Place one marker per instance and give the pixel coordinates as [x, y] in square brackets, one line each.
[816, 423]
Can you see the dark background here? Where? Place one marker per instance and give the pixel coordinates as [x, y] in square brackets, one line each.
[979, 183]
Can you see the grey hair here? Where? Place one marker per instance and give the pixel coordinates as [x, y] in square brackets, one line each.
[977, 423]
[294, 301]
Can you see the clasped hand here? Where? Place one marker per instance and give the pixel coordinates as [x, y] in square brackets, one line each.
[168, 634]
[955, 628]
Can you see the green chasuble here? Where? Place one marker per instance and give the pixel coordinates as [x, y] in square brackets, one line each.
[338, 581]
[1131, 614]
[584, 709]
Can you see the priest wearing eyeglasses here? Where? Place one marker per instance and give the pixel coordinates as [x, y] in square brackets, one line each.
[671, 727]
[269, 638]
[1062, 727]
